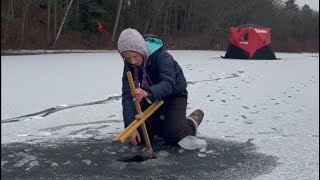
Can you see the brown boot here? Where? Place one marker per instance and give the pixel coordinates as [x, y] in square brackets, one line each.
[196, 118]
[197, 115]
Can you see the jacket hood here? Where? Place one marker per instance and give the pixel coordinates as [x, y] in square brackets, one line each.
[153, 43]
[132, 40]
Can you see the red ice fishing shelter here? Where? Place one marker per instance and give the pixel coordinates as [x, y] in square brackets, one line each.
[250, 41]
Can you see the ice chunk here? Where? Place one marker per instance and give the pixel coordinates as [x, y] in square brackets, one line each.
[163, 153]
[209, 151]
[63, 105]
[203, 150]
[3, 162]
[192, 143]
[88, 162]
[202, 155]
[23, 135]
[53, 164]
[37, 117]
[33, 163]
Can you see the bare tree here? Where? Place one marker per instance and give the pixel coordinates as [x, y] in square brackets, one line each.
[23, 24]
[48, 21]
[117, 20]
[11, 4]
[54, 18]
[166, 19]
[151, 16]
[7, 24]
[62, 23]
[77, 11]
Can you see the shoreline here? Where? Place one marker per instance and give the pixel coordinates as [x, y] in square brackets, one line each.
[44, 51]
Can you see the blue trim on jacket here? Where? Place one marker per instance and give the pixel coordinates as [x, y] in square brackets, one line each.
[153, 44]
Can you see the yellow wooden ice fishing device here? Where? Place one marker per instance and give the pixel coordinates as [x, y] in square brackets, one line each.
[141, 117]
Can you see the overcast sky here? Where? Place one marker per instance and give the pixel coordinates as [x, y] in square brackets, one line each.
[314, 4]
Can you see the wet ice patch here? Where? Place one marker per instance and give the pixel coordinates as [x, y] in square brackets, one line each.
[192, 143]
[64, 157]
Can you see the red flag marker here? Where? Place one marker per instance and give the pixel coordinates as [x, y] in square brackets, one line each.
[101, 30]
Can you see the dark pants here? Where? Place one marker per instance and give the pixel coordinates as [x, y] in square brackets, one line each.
[173, 126]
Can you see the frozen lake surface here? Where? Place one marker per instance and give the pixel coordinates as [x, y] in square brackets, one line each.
[261, 118]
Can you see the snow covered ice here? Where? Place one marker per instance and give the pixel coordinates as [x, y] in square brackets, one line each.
[274, 102]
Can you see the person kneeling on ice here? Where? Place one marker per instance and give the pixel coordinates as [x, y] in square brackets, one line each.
[156, 76]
